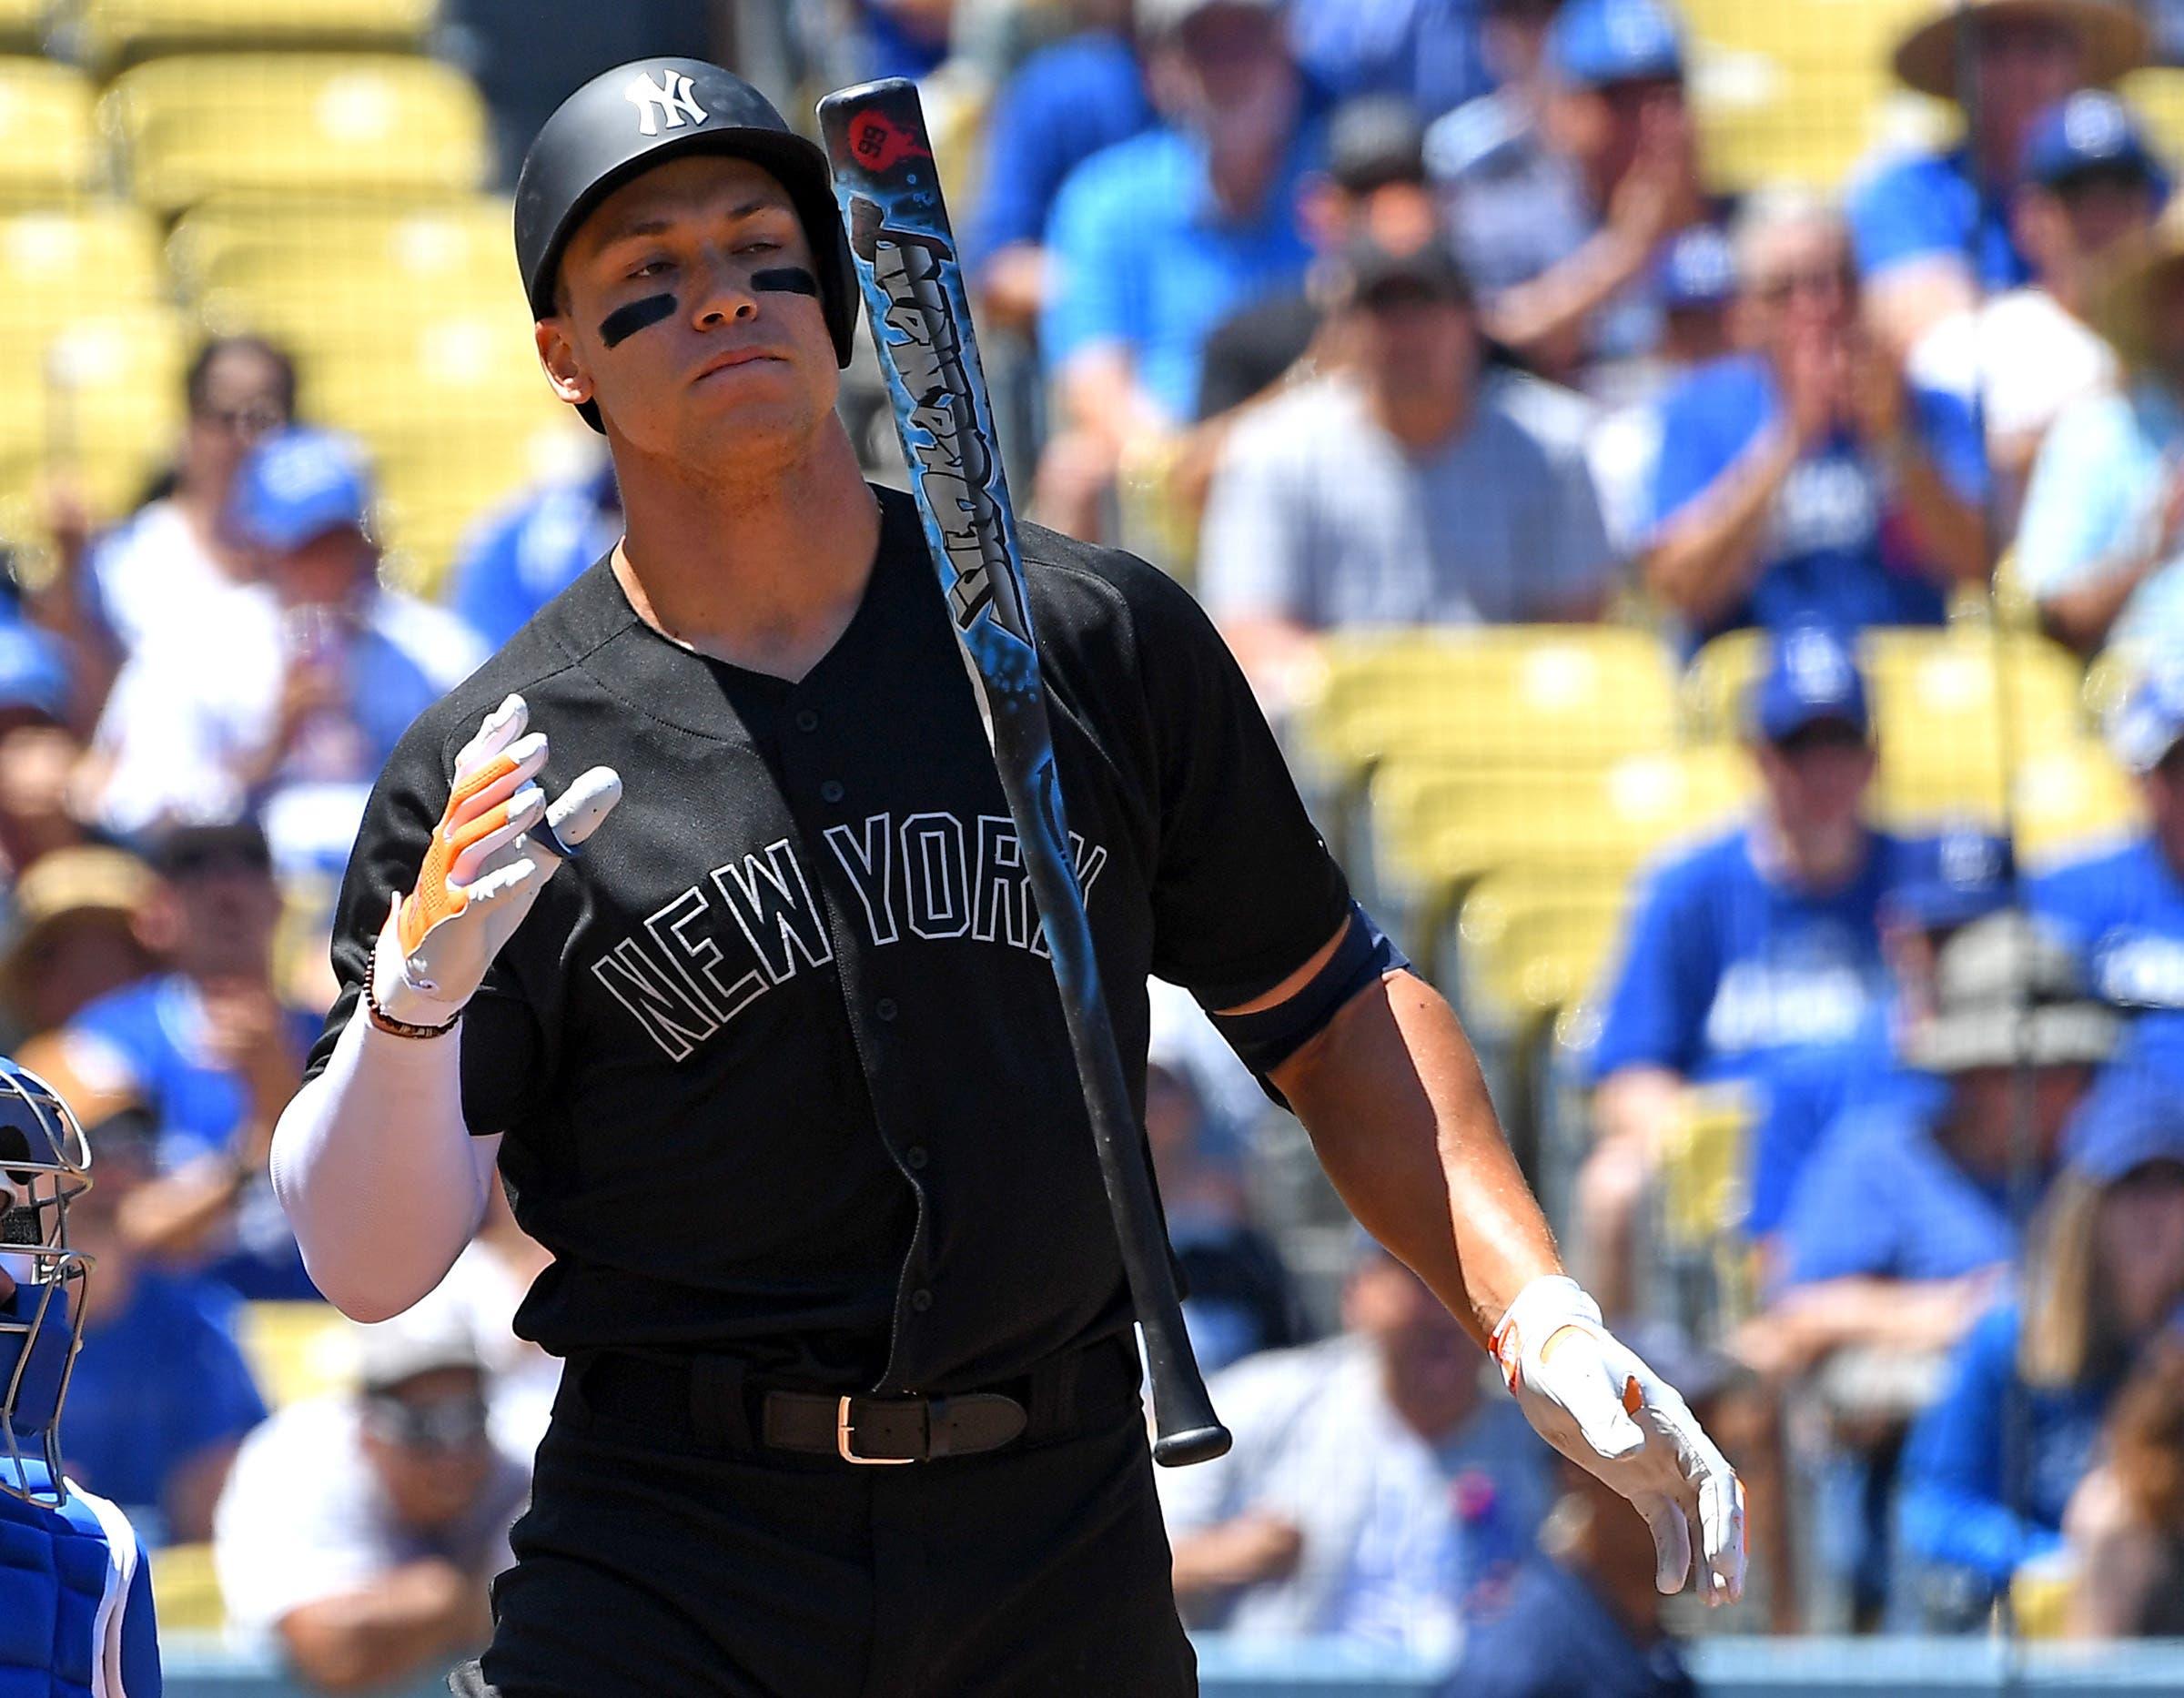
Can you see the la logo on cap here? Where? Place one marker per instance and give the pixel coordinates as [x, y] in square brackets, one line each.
[663, 104]
[1817, 668]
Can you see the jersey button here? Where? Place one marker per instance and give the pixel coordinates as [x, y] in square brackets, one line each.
[884, 1008]
[807, 719]
[832, 791]
[915, 1158]
[921, 1300]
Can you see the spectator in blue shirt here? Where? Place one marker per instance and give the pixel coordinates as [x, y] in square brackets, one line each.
[214, 1056]
[1803, 479]
[1426, 52]
[1561, 216]
[161, 1396]
[2125, 909]
[1064, 102]
[2035, 1376]
[1754, 958]
[1933, 229]
[1155, 240]
[526, 552]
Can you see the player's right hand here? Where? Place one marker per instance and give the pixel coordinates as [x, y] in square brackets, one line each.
[485, 866]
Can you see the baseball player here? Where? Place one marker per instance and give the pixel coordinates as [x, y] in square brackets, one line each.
[75, 1590]
[770, 1053]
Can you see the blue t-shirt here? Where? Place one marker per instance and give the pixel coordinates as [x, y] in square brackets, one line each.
[526, 553]
[1881, 1198]
[1925, 206]
[155, 1385]
[1554, 1638]
[1832, 553]
[2124, 910]
[1427, 51]
[1144, 260]
[1728, 975]
[1061, 106]
[1955, 1501]
[155, 1029]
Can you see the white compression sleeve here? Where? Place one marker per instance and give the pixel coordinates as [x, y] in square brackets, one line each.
[381, 1179]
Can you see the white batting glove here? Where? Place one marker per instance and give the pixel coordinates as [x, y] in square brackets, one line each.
[1592, 1398]
[487, 862]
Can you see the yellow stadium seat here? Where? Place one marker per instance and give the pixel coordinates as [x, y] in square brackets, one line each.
[23, 25]
[1514, 696]
[297, 1351]
[50, 150]
[249, 242]
[58, 265]
[2069, 800]
[115, 31]
[1952, 710]
[301, 124]
[185, 1590]
[1533, 943]
[98, 400]
[2158, 96]
[1701, 1183]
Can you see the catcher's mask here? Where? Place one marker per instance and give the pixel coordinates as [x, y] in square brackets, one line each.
[45, 1163]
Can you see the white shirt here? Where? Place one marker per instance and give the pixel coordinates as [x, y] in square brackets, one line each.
[521, 1379]
[1382, 1557]
[151, 570]
[303, 1518]
[2033, 357]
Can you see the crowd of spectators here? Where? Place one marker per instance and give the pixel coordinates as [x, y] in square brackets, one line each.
[1419, 313]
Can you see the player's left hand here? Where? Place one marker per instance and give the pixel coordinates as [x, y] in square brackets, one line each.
[1592, 1398]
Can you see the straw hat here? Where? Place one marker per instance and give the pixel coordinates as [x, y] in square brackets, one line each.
[67, 886]
[2009, 993]
[2114, 37]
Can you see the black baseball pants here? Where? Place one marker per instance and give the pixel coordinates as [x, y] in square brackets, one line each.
[652, 1565]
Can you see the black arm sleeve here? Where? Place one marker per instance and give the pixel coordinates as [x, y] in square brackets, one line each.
[502, 1049]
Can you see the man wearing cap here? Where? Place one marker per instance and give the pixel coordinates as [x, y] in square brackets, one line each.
[358, 1531]
[1155, 240]
[2100, 548]
[755, 1021]
[1562, 243]
[289, 693]
[1754, 958]
[1933, 230]
[1409, 489]
[73, 935]
[2092, 188]
[2124, 909]
[1802, 479]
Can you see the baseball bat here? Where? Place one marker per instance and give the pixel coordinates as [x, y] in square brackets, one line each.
[875, 140]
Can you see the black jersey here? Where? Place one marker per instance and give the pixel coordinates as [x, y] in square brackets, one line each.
[780, 1059]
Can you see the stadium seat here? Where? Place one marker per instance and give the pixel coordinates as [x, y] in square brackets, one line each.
[185, 1590]
[58, 265]
[296, 1351]
[305, 124]
[1955, 709]
[1514, 696]
[98, 399]
[2069, 801]
[23, 25]
[116, 32]
[1533, 942]
[50, 150]
[246, 242]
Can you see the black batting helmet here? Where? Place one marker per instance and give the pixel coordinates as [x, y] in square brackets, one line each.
[626, 121]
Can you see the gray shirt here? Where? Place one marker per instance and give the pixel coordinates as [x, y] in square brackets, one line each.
[1318, 515]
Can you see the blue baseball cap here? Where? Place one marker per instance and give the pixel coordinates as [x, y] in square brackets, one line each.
[297, 485]
[1967, 874]
[1699, 269]
[2090, 132]
[2150, 721]
[1811, 676]
[34, 673]
[2127, 1120]
[1592, 43]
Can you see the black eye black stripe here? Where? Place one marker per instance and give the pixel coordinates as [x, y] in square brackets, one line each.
[624, 322]
[786, 281]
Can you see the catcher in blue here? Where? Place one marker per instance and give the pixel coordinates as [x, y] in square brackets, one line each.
[698, 912]
[76, 1590]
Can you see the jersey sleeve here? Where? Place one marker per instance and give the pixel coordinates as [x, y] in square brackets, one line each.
[1895, 218]
[2082, 500]
[1088, 241]
[1698, 443]
[501, 1047]
[1244, 890]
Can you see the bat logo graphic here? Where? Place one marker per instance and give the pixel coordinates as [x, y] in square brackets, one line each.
[879, 145]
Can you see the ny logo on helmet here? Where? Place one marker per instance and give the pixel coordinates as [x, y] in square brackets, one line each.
[657, 107]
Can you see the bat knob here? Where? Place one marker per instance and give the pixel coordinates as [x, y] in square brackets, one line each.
[1193, 1444]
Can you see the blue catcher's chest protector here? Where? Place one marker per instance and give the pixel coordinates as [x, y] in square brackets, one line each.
[61, 1586]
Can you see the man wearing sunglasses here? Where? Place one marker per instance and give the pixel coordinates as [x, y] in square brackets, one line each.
[1802, 479]
[1754, 958]
[359, 1532]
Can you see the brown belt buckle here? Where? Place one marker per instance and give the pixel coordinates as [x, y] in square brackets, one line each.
[843, 1430]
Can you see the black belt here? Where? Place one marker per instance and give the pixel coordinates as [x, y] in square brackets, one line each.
[707, 1399]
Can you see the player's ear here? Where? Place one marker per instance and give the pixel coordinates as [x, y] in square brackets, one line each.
[564, 365]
